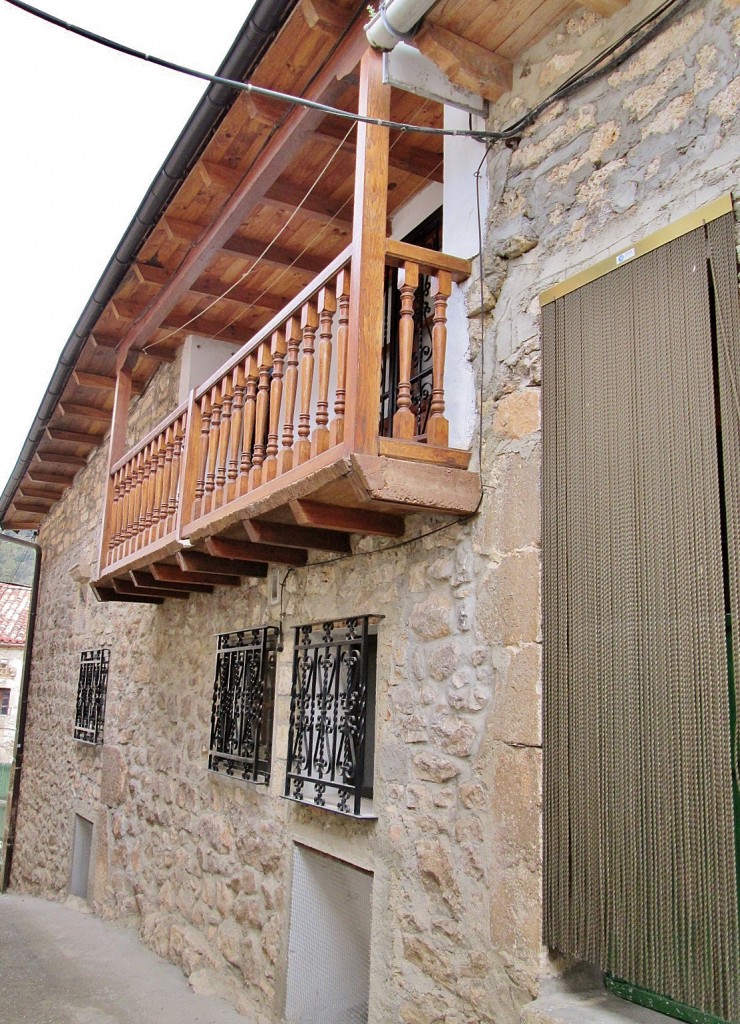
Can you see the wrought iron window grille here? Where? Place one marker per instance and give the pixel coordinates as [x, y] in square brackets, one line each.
[429, 235]
[331, 738]
[92, 687]
[243, 704]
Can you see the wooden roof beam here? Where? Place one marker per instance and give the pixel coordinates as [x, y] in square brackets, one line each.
[101, 382]
[318, 207]
[206, 323]
[87, 412]
[73, 436]
[420, 163]
[272, 161]
[35, 506]
[53, 479]
[466, 63]
[276, 256]
[213, 288]
[131, 589]
[61, 459]
[145, 579]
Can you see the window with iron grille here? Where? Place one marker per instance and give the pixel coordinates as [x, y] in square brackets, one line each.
[4, 700]
[91, 690]
[332, 715]
[243, 703]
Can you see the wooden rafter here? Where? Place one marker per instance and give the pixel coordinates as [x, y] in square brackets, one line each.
[197, 561]
[317, 206]
[246, 552]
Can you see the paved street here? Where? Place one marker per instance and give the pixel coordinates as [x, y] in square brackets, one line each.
[60, 966]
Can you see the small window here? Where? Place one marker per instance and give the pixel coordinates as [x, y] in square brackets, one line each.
[4, 700]
[331, 742]
[243, 704]
[91, 691]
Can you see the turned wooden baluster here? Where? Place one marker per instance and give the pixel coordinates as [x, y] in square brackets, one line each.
[227, 398]
[125, 532]
[235, 441]
[135, 506]
[309, 323]
[205, 430]
[155, 488]
[166, 474]
[277, 350]
[293, 336]
[438, 428]
[213, 439]
[250, 415]
[175, 473]
[160, 498]
[264, 362]
[327, 306]
[404, 421]
[116, 511]
[145, 517]
[336, 431]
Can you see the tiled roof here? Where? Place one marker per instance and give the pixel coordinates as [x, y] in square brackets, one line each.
[14, 602]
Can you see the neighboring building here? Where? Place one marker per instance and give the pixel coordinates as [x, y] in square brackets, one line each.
[14, 604]
[286, 701]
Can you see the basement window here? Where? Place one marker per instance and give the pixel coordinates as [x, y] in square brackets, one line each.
[91, 692]
[243, 704]
[331, 742]
[329, 943]
[4, 700]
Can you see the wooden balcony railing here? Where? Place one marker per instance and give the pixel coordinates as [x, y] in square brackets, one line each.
[283, 408]
[144, 491]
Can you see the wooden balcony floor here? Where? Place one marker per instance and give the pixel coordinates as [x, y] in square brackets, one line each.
[285, 519]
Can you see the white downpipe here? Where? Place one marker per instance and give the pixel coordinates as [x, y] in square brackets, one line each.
[394, 21]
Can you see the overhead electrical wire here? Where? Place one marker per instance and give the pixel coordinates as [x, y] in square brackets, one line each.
[607, 60]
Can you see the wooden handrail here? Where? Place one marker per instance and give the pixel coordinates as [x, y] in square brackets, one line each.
[429, 261]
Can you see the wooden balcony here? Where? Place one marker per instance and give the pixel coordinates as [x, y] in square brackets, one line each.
[285, 448]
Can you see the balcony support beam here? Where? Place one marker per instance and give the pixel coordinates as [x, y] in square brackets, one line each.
[368, 259]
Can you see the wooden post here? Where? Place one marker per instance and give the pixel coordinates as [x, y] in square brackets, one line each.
[404, 421]
[368, 260]
[438, 428]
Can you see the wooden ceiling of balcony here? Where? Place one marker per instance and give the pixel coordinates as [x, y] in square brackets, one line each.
[298, 220]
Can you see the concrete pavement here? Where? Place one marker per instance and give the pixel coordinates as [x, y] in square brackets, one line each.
[61, 966]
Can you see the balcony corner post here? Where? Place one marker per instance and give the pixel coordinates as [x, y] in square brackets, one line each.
[189, 465]
[368, 260]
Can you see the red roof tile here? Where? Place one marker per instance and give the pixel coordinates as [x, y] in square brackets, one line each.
[14, 602]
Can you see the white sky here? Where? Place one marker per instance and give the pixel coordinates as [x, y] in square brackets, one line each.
[84, 131]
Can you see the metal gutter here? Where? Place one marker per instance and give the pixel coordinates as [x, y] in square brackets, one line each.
[20, 728]
[263, 22]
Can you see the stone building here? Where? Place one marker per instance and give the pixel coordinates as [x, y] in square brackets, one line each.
[345, 820]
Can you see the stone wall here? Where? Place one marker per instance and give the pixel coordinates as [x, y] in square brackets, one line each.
[201, 864]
